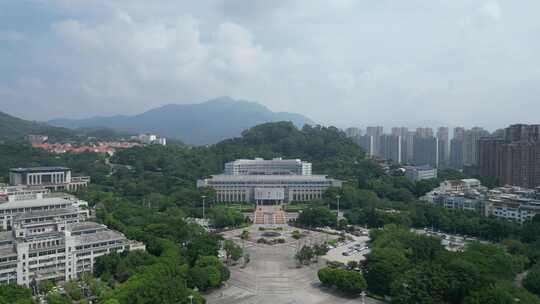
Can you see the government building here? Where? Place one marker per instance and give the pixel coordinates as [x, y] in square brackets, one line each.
[267, 182]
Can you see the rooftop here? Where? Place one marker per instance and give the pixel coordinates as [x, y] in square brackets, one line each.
[35, 203]
[85, 226]
[43, 213]
[99, 236]
[39, 169]
[262, 178]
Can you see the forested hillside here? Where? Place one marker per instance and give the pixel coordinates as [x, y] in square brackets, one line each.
[12, 127]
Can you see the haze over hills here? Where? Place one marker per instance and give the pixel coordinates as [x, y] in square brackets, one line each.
[13, 127]
[196, 124]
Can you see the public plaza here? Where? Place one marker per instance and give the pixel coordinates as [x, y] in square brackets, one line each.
[272, 276]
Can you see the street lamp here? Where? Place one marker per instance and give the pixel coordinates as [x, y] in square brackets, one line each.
[190, 297]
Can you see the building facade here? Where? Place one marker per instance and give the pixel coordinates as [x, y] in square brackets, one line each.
[509, 203]
[54, 178]
[392, 148]
[50, 239]
[425, 151]
[9, 210]
[274, 181]
[514, 159]
[367, 144]
[276, 166]
[443, 145]
[375, 132]
[417, 173]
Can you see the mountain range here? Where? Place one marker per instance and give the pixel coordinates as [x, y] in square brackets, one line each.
[195, 124]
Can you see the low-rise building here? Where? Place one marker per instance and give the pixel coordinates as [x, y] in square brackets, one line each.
[17, 193]
[418, 173]
[49, 239]
[54, 178]
[509, 202]
[55, 250]
[11, 209]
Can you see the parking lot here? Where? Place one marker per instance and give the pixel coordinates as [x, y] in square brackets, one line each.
[354, 250]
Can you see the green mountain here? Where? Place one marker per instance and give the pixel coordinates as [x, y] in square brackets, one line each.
[13, 128]
[195, 124]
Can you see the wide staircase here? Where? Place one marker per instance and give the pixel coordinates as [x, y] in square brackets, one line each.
[269, 215]
[279, 217]
[259, 216]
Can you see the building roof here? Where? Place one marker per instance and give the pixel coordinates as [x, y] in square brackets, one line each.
[39, 169]
[35, 203]
[43, 213]
[99, 236]
[76, 227]
[263, 178]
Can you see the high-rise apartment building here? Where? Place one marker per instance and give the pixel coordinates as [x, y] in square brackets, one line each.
[470, 145]
[514, 159]
[456, 148]
[406, 142]
[443, 148]
[459, 133]
[424, 132]
[366, 143]
[425, 150]
[353, 132]
[391, 148]
[456, 153]
[376, 132]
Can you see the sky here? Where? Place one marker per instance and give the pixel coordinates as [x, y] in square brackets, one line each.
[340, 62]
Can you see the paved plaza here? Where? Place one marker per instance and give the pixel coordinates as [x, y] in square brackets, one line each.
[273, 277]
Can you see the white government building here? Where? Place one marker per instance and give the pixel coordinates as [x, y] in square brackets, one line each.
[273, 181]
[45, 236]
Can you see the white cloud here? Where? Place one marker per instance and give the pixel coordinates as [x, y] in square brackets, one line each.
[492, 10]
[345, 62]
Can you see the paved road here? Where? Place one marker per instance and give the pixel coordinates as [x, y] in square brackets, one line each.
[272, 277]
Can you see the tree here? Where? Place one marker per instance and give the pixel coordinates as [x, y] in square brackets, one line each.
[221, 216]
[383, 266]
[15, 294]
[327, 276]
[232, 250]
[73, 290]
[203, 246]
[56, 298]
[346, 281]
[320, 249]
[350, 282]
[245, 235]
[501, 293]
[317, 216]
[532, 281]
[305, 255]
[45, 286]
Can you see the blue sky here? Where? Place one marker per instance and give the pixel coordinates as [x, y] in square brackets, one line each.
[343, 62]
